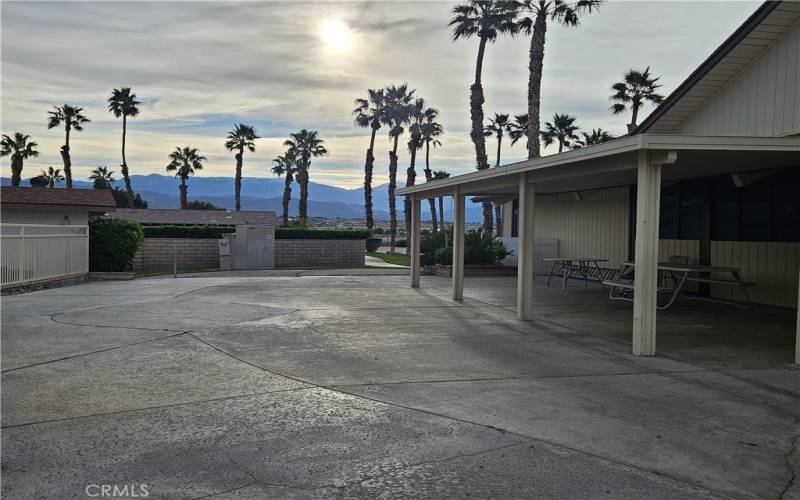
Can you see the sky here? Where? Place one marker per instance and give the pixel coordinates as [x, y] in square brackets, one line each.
[199, 67]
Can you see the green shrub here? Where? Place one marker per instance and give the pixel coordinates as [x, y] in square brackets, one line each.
[373, 244]
[286, 233]
[202, 231]
[113, 244]
[477, 250]
[295, 223]
[401, 243]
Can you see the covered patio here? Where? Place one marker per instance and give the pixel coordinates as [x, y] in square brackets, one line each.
[644, 162]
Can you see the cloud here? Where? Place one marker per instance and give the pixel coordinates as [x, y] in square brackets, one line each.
[199, 67]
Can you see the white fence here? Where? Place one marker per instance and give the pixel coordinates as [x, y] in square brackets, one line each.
[32, 252]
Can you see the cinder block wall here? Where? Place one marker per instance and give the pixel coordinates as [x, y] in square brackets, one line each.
[319, 253]
[193, 253]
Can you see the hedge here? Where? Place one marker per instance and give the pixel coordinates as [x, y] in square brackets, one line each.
[113, 244]
[281, 233]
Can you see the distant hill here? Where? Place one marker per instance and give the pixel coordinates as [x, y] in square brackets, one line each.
[259, 193]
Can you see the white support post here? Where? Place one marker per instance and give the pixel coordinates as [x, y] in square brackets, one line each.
[645, 294]
[525, 249]
[458, 244]
[414, 243]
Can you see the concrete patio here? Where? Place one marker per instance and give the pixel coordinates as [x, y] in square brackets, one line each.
[307, 385]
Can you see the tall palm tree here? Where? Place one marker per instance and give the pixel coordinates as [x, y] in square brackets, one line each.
[285, 165]
[102, 178]
[598, 136]
[562, 130]
[20, 147]
[73, 119]
[636, 88]
[184, 162]
[486, 19]
[368, 114]
[53, 176]
[518, 129]
[304, 145]
[431, 131]
[395, 116]
[441, 174]
[418, 115]
[123, 103]
[240, 138]
[498, 127]
[535, 24]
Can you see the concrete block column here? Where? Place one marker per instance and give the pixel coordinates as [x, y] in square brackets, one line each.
[525, 249]
[458, 244]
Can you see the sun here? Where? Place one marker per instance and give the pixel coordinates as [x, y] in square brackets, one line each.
[335, 34]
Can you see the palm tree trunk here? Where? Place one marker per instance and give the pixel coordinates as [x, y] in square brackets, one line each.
[498, 215]
[441, 211]
[184, 194]
[392, 200]
[560, 145]
[535, 65]
[287, 197]
[478, 139]
[128, 188]
[302, 178]
[499, 145]
[428, 178]
[67, 159]
[237, 183]
[634, 117]
[16, 171]
[411, 179]
[368, 167]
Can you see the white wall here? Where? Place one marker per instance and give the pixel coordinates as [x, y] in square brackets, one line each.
[44, 214]
[763, 100]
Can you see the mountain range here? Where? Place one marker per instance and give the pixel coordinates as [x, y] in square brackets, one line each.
[259, 193]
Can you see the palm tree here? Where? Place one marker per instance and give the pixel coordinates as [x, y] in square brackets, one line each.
[395, 116]
[303, 146]
[441, 174]
[102, 178]
[418, 115]
[535, 24]
[20, 147]
[498, 126]
[73, 119]
[598, 136]
[486, 20]
[123, 103]
[53, 176]
[368, 114]
[563, 130]
[637, 87]
[518, 128]
[185, 162]
[240, 138]
[431, 131]
[285, 165]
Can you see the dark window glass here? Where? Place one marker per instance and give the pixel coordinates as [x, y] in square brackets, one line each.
[515, 219]
[692, 216]
[786, 205]
[756, 211]
[724, 209]
[670, 212]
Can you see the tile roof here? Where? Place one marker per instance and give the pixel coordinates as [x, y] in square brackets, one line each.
[190, 217]
[57, 196]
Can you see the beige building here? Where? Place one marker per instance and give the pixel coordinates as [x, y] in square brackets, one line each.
[713, 174]
[53, 206]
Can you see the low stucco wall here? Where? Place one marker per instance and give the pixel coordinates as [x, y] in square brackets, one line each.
[192, 253]
[319, 253]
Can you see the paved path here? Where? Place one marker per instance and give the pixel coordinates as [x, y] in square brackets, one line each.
[359, 387]
[376, 262]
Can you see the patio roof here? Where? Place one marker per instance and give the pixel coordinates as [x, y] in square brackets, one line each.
[614, 164]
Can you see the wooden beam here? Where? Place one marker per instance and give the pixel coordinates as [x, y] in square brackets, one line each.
[458, 244]
[525, 249]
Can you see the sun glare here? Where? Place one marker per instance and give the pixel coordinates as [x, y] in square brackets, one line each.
[335, 34]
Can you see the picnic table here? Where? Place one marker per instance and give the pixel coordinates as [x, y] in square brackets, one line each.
[587, 268]
[679, 275]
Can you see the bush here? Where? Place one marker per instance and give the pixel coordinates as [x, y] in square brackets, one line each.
[477, 250]
[121, 198]
[113, 244]
[373, 244]
[295, 223]
[378, 230]
[204, 231]
[284, 233]
[401, 243]
[202, 205]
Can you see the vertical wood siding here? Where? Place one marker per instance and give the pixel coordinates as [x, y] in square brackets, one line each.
[763, 100]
